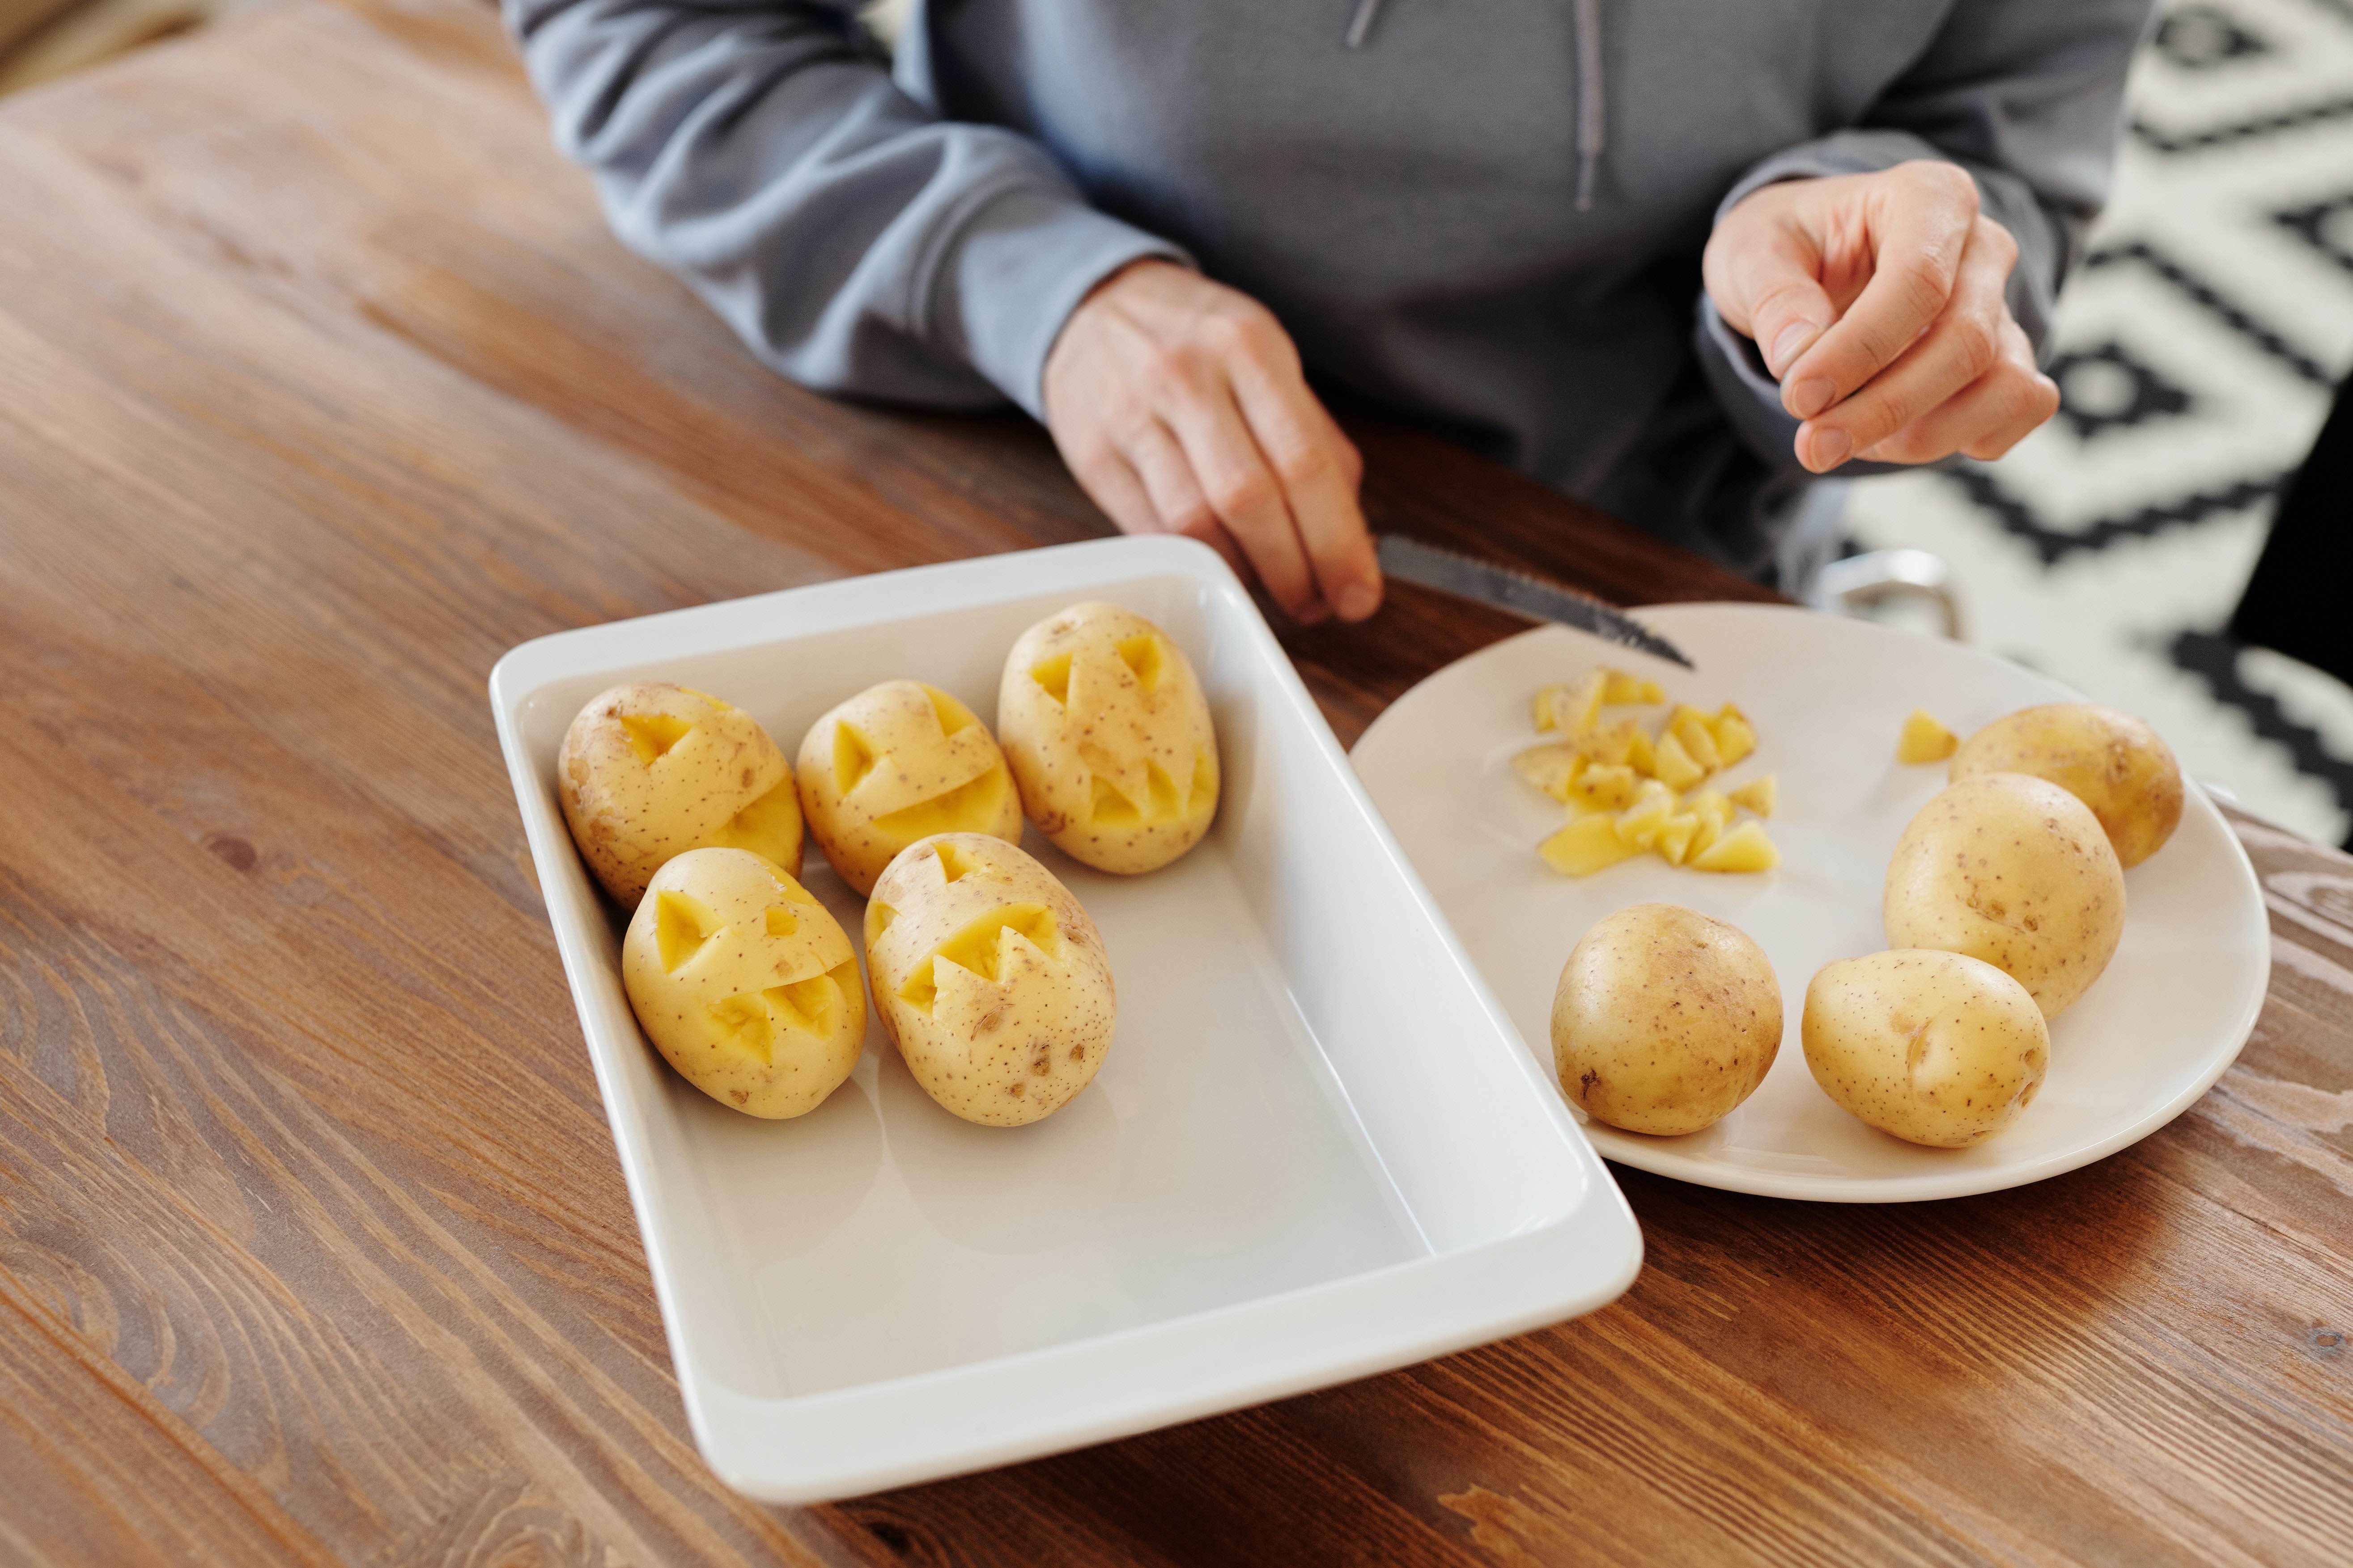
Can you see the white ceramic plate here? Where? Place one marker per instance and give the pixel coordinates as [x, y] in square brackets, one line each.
[1828, 696]
[1316, 1149]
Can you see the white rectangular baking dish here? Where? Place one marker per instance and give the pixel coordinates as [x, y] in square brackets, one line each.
[1317, 1149]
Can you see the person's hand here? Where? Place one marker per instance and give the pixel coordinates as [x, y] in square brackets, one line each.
[1180, 406]
[1877, 302]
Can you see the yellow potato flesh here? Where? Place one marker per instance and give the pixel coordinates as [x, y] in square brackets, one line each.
[1925, 740]
[1759, 796]
[1586, 845]
[1744, 849]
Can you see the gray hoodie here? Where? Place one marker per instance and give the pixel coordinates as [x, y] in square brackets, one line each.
[1485, 213]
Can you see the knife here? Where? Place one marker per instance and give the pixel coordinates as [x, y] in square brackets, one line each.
[1490, 584]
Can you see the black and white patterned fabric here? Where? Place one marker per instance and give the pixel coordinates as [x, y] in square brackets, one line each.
[2196, 355]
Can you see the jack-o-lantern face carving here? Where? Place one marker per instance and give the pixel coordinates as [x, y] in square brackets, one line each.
[1109, 738]
[744, 982]
[651, 770]
[990, 977]
[897, 762]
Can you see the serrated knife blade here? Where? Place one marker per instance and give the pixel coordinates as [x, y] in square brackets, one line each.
[1472, 578]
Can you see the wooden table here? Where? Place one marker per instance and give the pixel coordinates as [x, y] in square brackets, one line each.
[320, 385]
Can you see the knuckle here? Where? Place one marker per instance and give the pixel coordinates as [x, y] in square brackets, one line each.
[1304, 463]
[1241, 497]
[1195, 521]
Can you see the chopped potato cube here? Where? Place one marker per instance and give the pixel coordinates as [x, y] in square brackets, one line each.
[1735, 736]
[1585, 846]
[1710, 804]
[1640, 823]
[1674, 767]
[1675, 836]
[1602, 787]
[1550, 767]
[1924, 740]
[1577, 709]
[1641, 756]
[1745, 848]
[1625, 687]
[1614, 745]
[1546, 697]
[1697, 733]
[1759, 795]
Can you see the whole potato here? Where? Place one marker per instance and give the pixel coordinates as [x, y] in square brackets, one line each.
[651, 770]
[1663, 1020]
[744, 982]
[2111, 762]
[2014, 870]
[1109, 736]
[1935, 1047]
[989, 977]
[897, 762]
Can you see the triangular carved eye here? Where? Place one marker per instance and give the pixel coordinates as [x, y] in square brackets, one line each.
[1164, 805]
[1054, 676]
[1141, 654]
[980, 947]
[743, 1023]
[781, 921]
[651, 735]
[853, 758]
[1204, 793]
[681, 927]
[953, 715]
[1110, 808]
[953, 862]
[805, 1004]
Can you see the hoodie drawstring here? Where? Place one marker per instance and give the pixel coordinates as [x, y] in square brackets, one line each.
[1592, 122]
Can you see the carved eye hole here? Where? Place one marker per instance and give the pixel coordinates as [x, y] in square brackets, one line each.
[953, 715]
[807, 1004]
[1165, 804]
[682, 926]
[1141, 654]
[853, 758]
[1112, 808]
[953, 862]
[878, 916]
[743, 1023]
[651, 735]
[1205, 782]
[1054, 675]
[781, 921]
[979, 948]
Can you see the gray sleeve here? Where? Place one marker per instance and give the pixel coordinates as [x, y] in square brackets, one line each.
[759, 150]
[2024, 94]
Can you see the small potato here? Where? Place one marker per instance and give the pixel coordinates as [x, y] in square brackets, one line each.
[744, 982]
[2110, 761]
[897, 762]
[1110, 739]
[651, 770]
[990, 977]
[1935, 1047]
[1663, 1020]
[2013, 871]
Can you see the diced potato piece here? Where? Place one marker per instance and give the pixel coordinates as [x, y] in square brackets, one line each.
[1640, 823]
[1672, 765]
[1697, 733]
[1641, 756]
[1745, 848]
[1577, 708]
[1710, 804]
[1585, 846]
[1735, 736]
[1759, 796]
[1924, 740]
[1602, 788]
[1550, 767]
[1614, 744]
[1625, 687]
[1546, 697]
[1676, 837]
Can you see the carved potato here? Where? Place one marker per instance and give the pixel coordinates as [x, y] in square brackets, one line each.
[651, 770]
[989, 977]
[897, 762]
[1110, 739]
[744, 982]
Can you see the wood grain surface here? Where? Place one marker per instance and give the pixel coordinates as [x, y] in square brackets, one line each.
[320, 385]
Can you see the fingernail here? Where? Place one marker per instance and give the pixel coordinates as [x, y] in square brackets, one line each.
[1789, 345]
[1358, 600]
[1811, 396]
[1831, 447]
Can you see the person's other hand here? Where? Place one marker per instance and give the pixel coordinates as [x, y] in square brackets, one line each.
[1877, 302]
[1180, 406]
